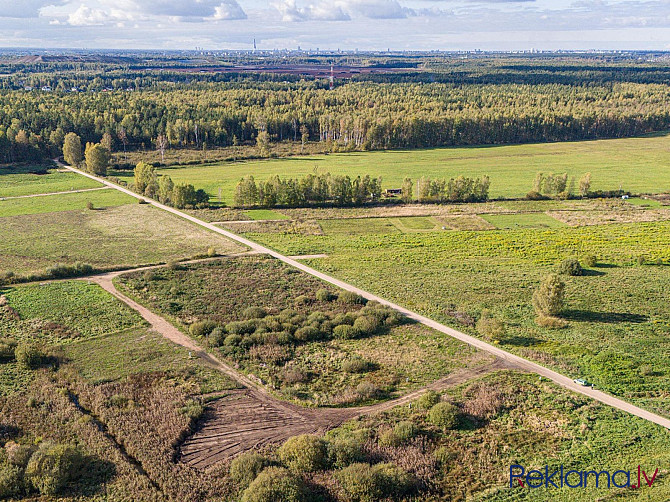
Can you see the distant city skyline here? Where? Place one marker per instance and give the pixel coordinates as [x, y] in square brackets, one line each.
[337, 24]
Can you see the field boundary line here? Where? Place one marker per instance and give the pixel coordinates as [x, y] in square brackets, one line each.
[518, 361]
[82, 190]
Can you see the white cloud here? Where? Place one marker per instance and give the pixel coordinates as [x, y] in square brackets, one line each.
[25, 8]
[229, 10]
[85, 16]
[341, 10]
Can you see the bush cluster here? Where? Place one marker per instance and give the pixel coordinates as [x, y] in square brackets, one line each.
[290, 327]
[46, 469]
[570, 266]
[261, 481]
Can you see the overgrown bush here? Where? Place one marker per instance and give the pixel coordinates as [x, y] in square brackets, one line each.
[246, 468]
[293, 375]
[303, 300]
[590, 260]
[367, 390]
[365, 483]
[304, 453]
[490, 327]
[28, 355]
[355, 364]
[428, 400]
[346, 332]
[63, 271]
[351, 298]
[549, 297]
[254, 313]
[323, 295]
[11, 481]
[367, 325]
[217, 337]
[52, 466]
[570, 266]
[7, 348]
[275, 484]
[550, 322]
[306, 334]
[400, 434]
[241, 327]
[202, 328]
[444, 415]
[346, 450]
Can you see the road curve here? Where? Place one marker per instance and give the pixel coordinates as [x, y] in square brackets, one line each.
[515, 360]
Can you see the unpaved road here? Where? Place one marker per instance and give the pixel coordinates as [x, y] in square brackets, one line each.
[54, 193]
[252, 417]
[514, 360]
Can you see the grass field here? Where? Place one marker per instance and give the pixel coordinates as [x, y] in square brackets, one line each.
[619, 324]
[63, 202]
[400, 359]
[18, 180]
[123, 236]
[635, 164]
[264, 214]
[529, 220]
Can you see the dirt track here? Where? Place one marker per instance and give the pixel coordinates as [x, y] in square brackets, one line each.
[511, 360]
[252, 417]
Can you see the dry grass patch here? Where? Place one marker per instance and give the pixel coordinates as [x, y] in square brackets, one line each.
[298, 227]
[465, 222]
[620, 215]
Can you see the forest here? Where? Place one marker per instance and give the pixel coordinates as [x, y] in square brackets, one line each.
[449, 105]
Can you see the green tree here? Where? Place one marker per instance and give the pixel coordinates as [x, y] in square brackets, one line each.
[263, 143]
[407, 190]
[72, 149]
[165, 187]
[585, 185]
[276, 484]
[246, 192]
[548, 299]
[97, 159]
[52, 466]
[144, 175]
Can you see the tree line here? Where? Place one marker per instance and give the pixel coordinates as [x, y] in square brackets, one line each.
[326, 189]
[354, 116]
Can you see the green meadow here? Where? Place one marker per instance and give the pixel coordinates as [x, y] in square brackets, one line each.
[22, 180]
[634, 164]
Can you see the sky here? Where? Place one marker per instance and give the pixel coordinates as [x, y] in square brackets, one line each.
[336, 24]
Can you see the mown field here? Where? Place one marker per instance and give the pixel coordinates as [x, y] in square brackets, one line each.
[122, 236]
[101, 199]
[634, 164]
[618, 319]
[22, 180]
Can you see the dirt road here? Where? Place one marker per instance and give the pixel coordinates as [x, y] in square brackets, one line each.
[512, 359]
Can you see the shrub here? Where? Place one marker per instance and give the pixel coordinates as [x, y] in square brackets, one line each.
[28, 355]
[275, 484]
[305, 453]
[254, 313]
[490, 327]
[7, 348]
[570, 266]
[323, 295]
[355, 364]
[6, 277]
[89, 206]
[549, 297]
[63, 271]
[351, 298]
[202, 328]
[232, 340]
[428, 400]
[192, 409]
[443, 455]
[293, 375]
[216, 338]
[345, 332]
[550, 322]
[344, 451]
[367, 325]
[11, 482]
[367, 390]
[590, 260]
[306, 333]
[303, 300]
[245, 468]
[366, 483]
[52, 466]
[535, 195]
[211, 252]
[241, 327]
[444, 415]
[401, 433]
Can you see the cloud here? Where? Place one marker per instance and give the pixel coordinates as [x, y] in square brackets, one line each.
[342, 10]
[25, 8]
[229, 10]
[85, 16]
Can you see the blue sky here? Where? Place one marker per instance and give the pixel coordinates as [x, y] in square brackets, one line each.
[333, 24]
